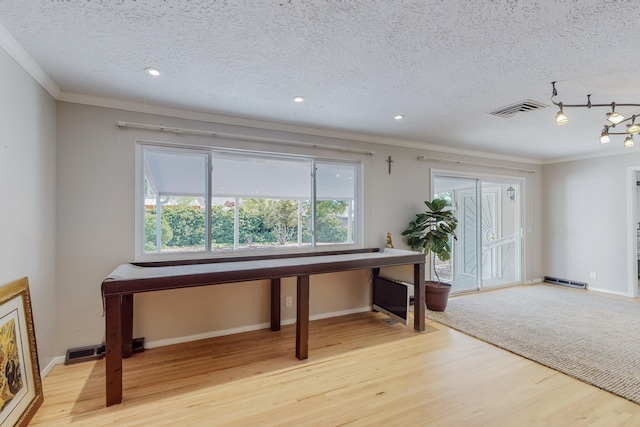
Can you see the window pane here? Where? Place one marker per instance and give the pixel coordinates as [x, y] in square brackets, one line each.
[273, 223]
[253, 200]
[269, 195]
[174, 200]
[222, 223]
[245, 175]
[175, 172]
[335, 202]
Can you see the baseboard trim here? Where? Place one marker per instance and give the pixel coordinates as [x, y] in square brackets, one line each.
[337, 313]
[58, 360]
[248, 328]
[608, 291]
[205, 335]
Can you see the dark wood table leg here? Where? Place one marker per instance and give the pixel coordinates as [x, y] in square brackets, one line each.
[113, 349]
[418, 297]
[302, 318]
[376, 273]
[275, 304]
[127, 325]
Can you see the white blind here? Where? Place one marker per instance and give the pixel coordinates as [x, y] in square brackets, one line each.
[242, 175]
[176, 172]
[335, 181]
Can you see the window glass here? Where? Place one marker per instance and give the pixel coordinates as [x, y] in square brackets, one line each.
[249, 201]
[174, 200]
[335, 202]
[268, 195]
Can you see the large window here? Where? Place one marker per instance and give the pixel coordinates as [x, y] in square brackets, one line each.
[209, 200]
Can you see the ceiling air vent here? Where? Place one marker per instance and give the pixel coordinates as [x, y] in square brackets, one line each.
[518, 107]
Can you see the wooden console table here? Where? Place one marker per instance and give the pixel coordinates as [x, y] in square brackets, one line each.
[132, 278]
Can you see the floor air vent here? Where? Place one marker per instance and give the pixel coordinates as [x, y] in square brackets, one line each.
[565, 282]
[518, 107]
[95, 352]
[84, 354]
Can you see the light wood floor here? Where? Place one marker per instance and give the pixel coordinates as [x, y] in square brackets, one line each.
[360, 371]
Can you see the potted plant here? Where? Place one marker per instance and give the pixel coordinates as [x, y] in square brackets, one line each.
[430, 232]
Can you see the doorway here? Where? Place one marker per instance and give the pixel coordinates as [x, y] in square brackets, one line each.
[488, 249]
[637, 232]
[633, 230]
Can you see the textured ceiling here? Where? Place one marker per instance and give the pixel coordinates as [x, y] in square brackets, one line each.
[443, 64]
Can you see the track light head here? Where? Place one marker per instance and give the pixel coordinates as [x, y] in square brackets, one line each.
[561, 117]
[628, 142]
[633, 127]
[614, 117]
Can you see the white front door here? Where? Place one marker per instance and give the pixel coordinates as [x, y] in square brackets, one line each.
[488, 249]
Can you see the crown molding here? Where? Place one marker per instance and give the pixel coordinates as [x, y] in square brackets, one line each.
[616, 152]
[13, 48]
[99, 101]
[462, 152]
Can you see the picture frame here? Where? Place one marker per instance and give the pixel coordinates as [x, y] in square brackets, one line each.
[20, 383]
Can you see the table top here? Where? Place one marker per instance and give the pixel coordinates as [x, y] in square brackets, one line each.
[132, 277]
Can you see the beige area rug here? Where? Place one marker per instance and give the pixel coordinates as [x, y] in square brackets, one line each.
[593, 338]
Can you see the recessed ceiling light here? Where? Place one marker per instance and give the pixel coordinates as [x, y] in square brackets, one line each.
[152, 71]
[399, 117]
[298, 98]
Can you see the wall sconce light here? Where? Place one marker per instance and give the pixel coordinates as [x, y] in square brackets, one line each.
[613, 117]
[511, 193]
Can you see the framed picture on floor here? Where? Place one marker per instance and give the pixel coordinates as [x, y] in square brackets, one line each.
[20, 383]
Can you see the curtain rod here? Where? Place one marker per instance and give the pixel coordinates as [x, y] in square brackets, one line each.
[462, 162]
[185, 131]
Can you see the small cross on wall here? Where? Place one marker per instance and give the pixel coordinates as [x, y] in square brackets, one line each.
[389, 161]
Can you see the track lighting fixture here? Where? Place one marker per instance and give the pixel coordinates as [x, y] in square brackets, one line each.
[633, 127]
[604, 136]
[613, 117]
[561, 117]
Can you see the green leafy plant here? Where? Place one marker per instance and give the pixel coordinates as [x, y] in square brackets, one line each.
[430, 231]
[150, 231]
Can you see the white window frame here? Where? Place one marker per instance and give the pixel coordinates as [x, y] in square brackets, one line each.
[141, 255]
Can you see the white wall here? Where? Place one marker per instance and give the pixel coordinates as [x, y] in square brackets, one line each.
[66, 184]
[27, 194]
[400, 195]
[586, 223]
[96, 233]
[68, 177]
[638, 195]
[95, 199]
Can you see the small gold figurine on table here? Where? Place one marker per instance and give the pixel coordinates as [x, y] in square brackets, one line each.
[389, 242]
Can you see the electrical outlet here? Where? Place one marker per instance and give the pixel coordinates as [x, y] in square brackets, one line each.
[288, 301]
[593, 275]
